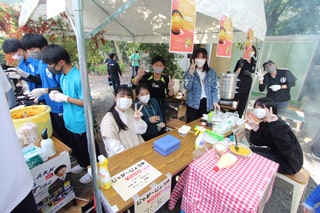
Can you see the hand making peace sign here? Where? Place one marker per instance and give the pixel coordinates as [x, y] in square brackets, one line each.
[171, 83]
[192, 67]
[137, 112]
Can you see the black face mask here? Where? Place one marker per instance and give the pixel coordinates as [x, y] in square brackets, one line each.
[53, 70]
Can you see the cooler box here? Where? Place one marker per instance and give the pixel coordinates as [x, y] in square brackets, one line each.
[166, 145]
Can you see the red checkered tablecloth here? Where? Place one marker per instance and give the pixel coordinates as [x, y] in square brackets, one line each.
[244, 187]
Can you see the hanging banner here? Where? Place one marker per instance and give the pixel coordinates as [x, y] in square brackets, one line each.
[224, 47]
[183, 19]
[248, 48]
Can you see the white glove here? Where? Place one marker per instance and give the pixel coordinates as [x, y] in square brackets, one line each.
[260, 76]
[13, 75]
[20, 72]
[37, 93]
[58, 96]
[275, 87]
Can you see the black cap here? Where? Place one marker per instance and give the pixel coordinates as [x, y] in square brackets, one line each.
[268, 62]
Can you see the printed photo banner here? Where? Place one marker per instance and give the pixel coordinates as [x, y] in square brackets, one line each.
[224, 47]
[132, 180]
[183, 19]
[248, 48]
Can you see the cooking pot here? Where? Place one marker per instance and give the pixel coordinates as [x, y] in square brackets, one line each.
[228, 86]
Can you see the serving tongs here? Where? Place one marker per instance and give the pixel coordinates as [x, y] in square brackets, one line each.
[236, 140]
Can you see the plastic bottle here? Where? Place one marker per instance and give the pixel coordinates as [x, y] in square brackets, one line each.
[47, 144]
[209, 120]
[225, 161]
[104, 175]
[200, 142]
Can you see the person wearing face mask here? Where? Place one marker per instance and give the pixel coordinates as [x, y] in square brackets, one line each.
[34, 43]
[27, 68]
[273, 138]
[160, 85]
[59, 62]
[201, 83]
[278, 83]
[121, 128]
[245, 68]
[151, 112]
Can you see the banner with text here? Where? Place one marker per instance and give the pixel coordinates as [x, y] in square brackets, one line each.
[248, 48]
[224, 47]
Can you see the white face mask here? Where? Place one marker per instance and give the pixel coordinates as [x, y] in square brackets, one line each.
[124, 103]
[252, 54]
[158, 70]
[144, 99]
[259, 113]
[200, 62]
[17, 57]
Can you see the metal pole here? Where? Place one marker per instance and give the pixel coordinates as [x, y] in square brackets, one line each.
[78, 13]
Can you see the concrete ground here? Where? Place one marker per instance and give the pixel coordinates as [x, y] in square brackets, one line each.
[280, 200]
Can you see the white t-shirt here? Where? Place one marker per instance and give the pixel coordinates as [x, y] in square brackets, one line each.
[16, 179]
[202, 76]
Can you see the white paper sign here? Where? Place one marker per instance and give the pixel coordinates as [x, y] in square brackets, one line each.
[156, 197]
[130, 181]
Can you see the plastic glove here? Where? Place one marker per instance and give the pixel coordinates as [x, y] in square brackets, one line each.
[275, 87]
[260, 76]
[37, 93]
[58, 96]
[20, 72]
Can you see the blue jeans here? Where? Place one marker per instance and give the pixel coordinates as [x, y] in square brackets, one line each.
[134, 71]
[282, 106]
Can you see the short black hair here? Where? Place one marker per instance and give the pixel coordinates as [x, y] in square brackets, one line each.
[267, 62]
[140, 87]
[11, 45]
[34, 40]
[158, 58]
[266, 102]
[111, 55]
[58, 168]
[53, 53]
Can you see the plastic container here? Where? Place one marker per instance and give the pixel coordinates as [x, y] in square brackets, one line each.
[38, 114]
[47, 144]
[104, 175]
[200, 142]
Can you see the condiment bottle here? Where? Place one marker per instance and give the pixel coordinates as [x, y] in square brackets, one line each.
[47, 144]
[225, 161]
[201, 139]
[104, 176]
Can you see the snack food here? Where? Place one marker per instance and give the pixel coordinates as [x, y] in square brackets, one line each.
[242, 150]
[176, 22]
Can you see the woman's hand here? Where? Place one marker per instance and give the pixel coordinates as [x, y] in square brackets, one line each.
[192, 67]
[171, 83]
[252, 122]
[154, 119]
[137, 112]
[270, 117]
[216, 106]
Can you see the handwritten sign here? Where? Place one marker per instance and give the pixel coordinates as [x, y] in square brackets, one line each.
[183, 19]
[156, 197]
[130, 181]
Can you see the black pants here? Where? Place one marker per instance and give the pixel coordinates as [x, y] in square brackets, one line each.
[80, 148]
[242, 99]
[28, 204]
[193, 114]
[115, 81]
[59, 129]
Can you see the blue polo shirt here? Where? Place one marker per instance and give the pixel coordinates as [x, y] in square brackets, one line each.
[73, 115]
[30, 65]
[50, 80]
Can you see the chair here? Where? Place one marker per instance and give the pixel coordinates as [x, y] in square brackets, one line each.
[299, 182]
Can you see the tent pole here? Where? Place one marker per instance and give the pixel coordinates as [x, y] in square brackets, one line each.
[78, 12]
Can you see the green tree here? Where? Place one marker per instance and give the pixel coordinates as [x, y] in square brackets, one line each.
[172, 67]
[292, 17]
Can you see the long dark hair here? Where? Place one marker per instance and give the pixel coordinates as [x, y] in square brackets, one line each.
[204, 52]
[124, 89]
[266, 102]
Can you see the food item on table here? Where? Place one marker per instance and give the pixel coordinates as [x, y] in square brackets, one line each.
[225, 161]
[176, 22]
[28, 132]
[242, 150]
[26, 114]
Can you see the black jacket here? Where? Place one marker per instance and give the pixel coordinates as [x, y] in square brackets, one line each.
[282, 142]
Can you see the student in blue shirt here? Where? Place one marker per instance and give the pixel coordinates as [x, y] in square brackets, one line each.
[59, 62]
[34, 43]
[311, 204]
[27, 67]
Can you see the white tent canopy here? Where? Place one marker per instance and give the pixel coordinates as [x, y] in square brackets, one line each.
[149, 21]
